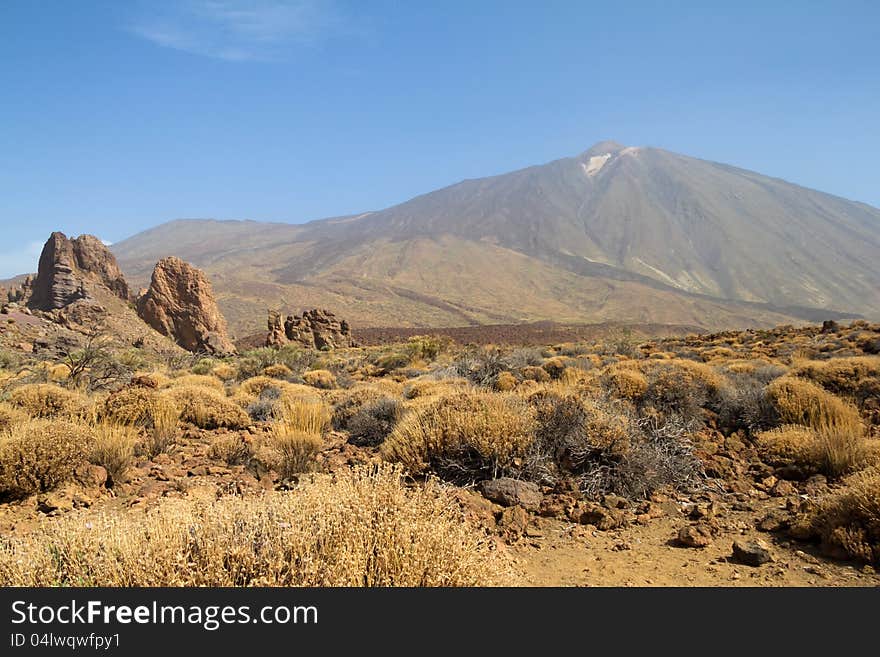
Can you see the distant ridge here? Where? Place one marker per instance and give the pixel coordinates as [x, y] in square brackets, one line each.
[617, 233]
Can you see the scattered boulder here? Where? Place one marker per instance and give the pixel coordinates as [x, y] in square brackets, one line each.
[68, 268]
[695, 536]
[510, 492]
[180, 303]
[752, 553]
[314, 329]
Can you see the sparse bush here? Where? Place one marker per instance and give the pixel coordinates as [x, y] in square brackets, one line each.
[798, 401]
[162, 433]
[264, 407]
[463, 437]
[8, 360]
[681, 387]
[848, 521]
[38, 455]
[626, 383]
[10, 416]
[45, 400]
[278, 371]
[224, 371]
[204, 366]
[744, 406]
[428, 387]
[663, 457]
[505, 382]
[361, 528]
[232, 449]
[257, 384]
[207, 408]
[534, 373]
[112, 447]
[374, 421]
[832, 449]
[392, 361]
[424, 347]
[196, 380]
[346, 403]
[524, 357]
[481, 366]
[132, 406]
[303, 414]
[289, 452]
[323, 379]
[555, 366]
[857, 378]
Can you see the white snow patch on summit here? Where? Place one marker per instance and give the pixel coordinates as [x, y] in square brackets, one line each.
[596, 162]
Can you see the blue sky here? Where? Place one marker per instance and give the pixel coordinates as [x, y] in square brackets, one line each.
[116, 116]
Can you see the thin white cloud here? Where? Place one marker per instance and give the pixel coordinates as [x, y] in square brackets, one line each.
[238, 30]
[22, 260]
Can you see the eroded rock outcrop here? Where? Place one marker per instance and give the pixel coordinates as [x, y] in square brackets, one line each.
[180, 303]
[314, 329]
[69, 268]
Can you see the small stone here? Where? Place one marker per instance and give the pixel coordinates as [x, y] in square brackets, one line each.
[509, 492]
[752, 553]
[695, 536]
[783, 488]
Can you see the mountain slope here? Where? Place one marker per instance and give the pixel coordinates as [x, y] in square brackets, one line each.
[616, 233]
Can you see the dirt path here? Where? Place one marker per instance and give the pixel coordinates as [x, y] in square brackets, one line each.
[646, 555]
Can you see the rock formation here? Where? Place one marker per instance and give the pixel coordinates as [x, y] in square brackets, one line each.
[68, 268]
[315, 329]
[180, 303]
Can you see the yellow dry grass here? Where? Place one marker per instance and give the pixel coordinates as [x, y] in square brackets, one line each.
[37, 455]
[195, 380]
[800, 402]
[47, 400]
[358, 528]
[497, 427]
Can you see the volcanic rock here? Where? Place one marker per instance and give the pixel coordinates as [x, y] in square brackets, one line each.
[180, 303]
[315, 329]
[68, 268]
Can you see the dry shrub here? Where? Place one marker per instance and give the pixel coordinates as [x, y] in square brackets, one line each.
[308, 415]
[257, 384]
[857, 377]
[832, 449]
[278, 371]
[224, 371]
[505, 382]
[787, 444]
[150, 379]
[848, 520]
[681, 387]
[435, 387]
[162, 432]
[38, 455]
[112, 447]
[195, 381]
[132, 406]
[360, 528]
[207, 408]
[535, 373]
[46, 400]
[10, 416]
[231, 448]
[289, 452]
[463, 436]
[626, 383]
[374, 421]
[555, 366]
[798, 401]
[323, 379]
[347, 403]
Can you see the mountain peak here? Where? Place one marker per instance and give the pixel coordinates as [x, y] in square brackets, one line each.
[603, 148]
